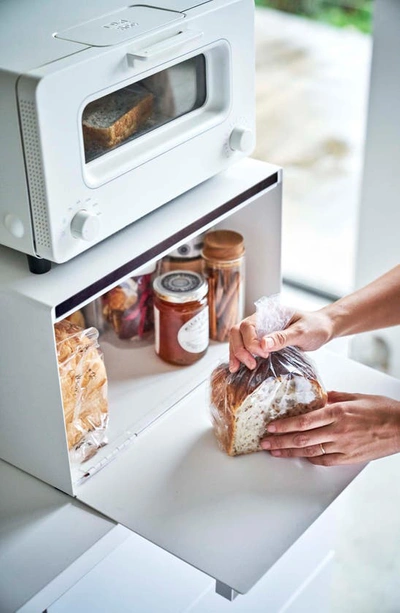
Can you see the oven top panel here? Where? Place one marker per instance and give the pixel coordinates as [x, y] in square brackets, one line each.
[120, 26]
[27, 27]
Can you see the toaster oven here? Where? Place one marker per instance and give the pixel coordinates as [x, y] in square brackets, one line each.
[110, 111]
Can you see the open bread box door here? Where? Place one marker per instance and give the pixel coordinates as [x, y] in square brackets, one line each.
[230, 517]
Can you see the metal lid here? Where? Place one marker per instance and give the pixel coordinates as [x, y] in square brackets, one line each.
[223, 245]
[180, 286]
[190, 249]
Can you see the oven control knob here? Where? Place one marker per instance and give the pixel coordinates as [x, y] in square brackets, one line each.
[85, 225]
[241, 139]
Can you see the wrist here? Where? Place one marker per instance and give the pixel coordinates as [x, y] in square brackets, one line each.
[336, 320]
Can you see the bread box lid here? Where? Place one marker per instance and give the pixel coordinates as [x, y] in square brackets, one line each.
[120, 26]
[230, 517]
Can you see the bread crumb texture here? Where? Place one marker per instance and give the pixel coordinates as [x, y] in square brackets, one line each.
[83, 382]
[244, 403]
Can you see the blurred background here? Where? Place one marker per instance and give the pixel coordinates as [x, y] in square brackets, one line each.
[312, 73]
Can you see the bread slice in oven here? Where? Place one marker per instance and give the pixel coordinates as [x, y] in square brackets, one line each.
[110, 120]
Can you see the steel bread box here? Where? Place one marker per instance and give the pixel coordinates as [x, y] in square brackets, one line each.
[110, 111]
[161, 473]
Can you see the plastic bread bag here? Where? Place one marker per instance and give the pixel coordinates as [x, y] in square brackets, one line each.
[83, 381]
[283, 385]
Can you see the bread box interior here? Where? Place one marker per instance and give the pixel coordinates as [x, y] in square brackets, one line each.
[161, 472]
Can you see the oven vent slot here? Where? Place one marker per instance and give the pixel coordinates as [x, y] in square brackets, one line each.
[34, 169]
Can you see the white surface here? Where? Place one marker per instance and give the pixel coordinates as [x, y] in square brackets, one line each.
[42, 532]
[176, 488]
[138, 576]
[64, 281]
[164, 584]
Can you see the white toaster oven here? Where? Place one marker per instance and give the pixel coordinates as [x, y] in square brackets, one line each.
[110, 111]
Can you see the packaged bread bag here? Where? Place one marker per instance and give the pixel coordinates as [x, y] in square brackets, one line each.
[83, 381]
[283, 385]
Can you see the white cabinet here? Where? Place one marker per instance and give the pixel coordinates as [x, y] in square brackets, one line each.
[162, 474]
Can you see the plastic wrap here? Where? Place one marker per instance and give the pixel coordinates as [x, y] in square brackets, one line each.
[83, 382]
[282, 385]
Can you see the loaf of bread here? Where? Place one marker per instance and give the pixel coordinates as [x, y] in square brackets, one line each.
[77, 317]
[244, 403]
[110, 120]
[83, 386]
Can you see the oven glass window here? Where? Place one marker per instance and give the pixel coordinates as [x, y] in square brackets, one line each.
[132, 111]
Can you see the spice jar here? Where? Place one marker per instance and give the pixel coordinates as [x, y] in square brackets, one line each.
[126, 311]
[180, 317]
[223, 254]
[184, 257]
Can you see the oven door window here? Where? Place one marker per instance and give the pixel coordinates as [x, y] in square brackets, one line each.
[130, 112]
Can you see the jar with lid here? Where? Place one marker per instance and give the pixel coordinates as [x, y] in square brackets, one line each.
[224, 267]
[185, 257]
[125, 312]
[180, 317]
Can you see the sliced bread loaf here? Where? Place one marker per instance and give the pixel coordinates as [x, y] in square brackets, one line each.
[244, 403]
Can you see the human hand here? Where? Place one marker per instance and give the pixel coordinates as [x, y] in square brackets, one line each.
[351, 428]
[308, 331]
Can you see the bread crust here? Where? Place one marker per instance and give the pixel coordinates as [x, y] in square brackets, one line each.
[277, 381]
[112, 119]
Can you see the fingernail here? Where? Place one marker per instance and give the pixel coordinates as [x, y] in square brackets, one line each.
[269, 342]
[271, 428]
[276, 452]
[266, 444]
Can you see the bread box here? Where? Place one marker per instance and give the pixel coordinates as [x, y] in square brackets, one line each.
[162, 474]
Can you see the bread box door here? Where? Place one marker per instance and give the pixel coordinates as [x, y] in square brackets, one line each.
[232, 518]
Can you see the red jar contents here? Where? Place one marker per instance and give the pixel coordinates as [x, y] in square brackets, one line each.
[181, 317]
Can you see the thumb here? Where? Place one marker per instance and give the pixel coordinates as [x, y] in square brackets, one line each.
[279, 339]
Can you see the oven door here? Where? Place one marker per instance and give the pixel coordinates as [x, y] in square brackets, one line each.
[113, 132]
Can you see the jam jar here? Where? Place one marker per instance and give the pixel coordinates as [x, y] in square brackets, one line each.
[181, 317]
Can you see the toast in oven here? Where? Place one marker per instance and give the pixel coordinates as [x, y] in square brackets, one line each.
[110, 120]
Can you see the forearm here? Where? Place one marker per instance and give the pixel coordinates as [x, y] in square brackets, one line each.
[374, 306]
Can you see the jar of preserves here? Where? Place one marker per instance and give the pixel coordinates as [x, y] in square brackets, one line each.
[180, 317]
[224, 268]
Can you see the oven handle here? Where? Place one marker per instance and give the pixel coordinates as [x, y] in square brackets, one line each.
[164, 47]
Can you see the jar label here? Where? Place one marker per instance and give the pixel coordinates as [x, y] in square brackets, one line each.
[193, 336]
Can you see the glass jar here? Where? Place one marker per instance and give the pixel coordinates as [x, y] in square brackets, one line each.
[180, 317]
[224, 268]
[125, 313]
[185, 257]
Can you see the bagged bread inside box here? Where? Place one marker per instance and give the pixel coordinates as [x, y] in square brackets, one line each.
[112, 383]
[140, 388]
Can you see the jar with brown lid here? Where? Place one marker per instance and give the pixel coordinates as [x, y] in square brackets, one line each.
[180, 317]
[224, 261]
